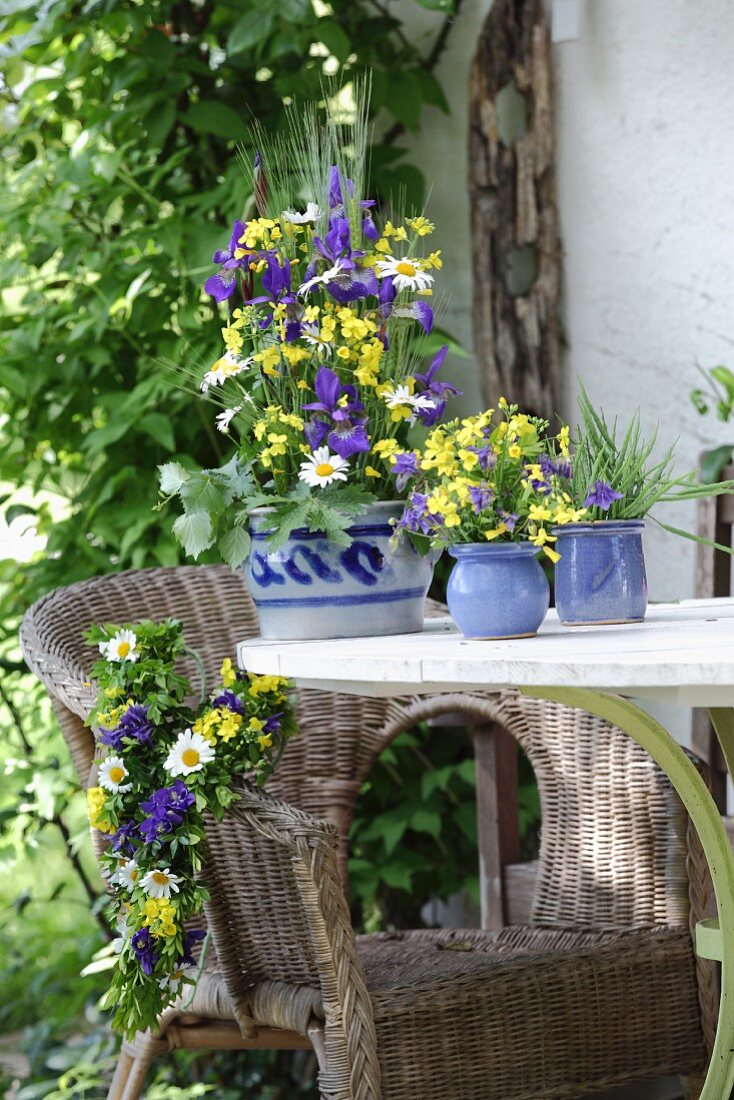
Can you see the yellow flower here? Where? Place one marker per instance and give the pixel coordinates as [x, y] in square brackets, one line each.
[227, 672]
[261, 685]
[95, 801]
[421, 226]
[564, 439]
[514, 450]
[293, 354]
[382, 245]
[552, 554]
[255, 725]
[265, 740]
[541, 537]
[370, 471]
[434, 260]
[539, 512]
[495, 532]
[385, 448]
[268, 358]
[277, 443]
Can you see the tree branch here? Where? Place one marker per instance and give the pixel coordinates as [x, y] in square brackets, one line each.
[56, 819]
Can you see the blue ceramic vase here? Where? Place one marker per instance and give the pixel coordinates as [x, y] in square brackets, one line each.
[600, 576]
[497, 590]
[311, 588]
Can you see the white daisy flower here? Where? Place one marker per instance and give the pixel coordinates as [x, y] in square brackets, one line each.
[160, 883]
[406, 274]
[127, 875]
[401, 395]
[322, 467]
[224, 418]
[229, 366]
[311, 335]
[190, 753]
[112, 775]
[312, 213]
[327, 277]
[122, 647]
[173, 982]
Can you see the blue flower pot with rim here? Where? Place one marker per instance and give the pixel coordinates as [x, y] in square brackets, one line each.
[497, 590]
[600, 576]
[311, 588]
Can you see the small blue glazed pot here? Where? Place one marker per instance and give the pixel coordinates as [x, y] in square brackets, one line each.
[497, 590]
[600, 576]
[311, 588]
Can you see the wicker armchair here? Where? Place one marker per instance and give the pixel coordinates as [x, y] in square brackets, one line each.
[620, 878]
[547, 1011]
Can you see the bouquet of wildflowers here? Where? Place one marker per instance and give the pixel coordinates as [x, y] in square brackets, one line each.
[161, 765]
[326, 362]
[496, 476]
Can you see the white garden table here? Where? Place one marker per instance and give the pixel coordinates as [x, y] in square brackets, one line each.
[683, 653]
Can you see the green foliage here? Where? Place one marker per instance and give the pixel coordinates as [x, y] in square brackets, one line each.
[118, 174]
[719, 392]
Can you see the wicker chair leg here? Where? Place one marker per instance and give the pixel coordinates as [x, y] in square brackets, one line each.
[133, 1065]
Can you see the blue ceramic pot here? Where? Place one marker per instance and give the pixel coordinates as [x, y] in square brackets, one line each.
[311, 588]
[497, 590]
[600, 577]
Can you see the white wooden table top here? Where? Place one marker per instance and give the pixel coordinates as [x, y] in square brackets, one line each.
[683, 653]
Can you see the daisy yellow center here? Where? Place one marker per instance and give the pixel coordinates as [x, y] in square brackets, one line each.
[133, 875]
[160, 879]
[405, 268]
[324, 469]
[123, 648]
[117, 775]
[190, 758]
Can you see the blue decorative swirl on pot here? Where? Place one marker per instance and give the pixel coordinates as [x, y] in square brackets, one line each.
[311, 588]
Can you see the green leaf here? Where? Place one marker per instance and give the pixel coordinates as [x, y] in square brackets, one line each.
[235, 546]
[194, 531]
[432, 91]
[407, 98]
[446, 6]
[158, 123]
[715, 461]
[158, 427]
[16, 510]
[334, 38]
[252, 28]
[426, 821]
[172, 476]
[211, 117]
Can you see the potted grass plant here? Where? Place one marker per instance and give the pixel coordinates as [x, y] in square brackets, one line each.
[329, 362]
[614, 483]
[489, 489]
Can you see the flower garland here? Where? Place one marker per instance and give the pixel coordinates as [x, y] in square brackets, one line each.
[163, 766]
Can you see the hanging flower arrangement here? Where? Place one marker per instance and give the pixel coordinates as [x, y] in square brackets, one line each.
[161, 765]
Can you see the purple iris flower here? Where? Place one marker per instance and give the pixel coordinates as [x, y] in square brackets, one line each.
[509, 519]
[229, 700]
[276, 284]
[404, 468]
[351, 282]
[345, 430]
[602, 496]
[438, 391]
[561, 467]
[224, 283]
[134, 724]
[386, 294]
[195, 935]
[481, 498]
[122, 840]
[142, 944]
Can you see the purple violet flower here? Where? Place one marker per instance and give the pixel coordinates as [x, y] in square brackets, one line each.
[416, 517]
[142, 945]
[195, 935]
[602, 496]
[122, 840]
[229, 700]
[224, 283]
[134, 724]
[404, 468]
[481, 498]
[487, 457]
[509, 519]
[273, 723]
[166, 809]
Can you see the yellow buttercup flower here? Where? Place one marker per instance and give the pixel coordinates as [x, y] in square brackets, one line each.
[95, 801]
[265, 740]
[370, 471]
[496, 532]
[227, 672]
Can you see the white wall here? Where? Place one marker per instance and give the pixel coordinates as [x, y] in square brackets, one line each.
[646, 196]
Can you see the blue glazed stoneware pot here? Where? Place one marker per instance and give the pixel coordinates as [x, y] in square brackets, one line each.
[600, 576]
[497, 590]
[311, 588]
